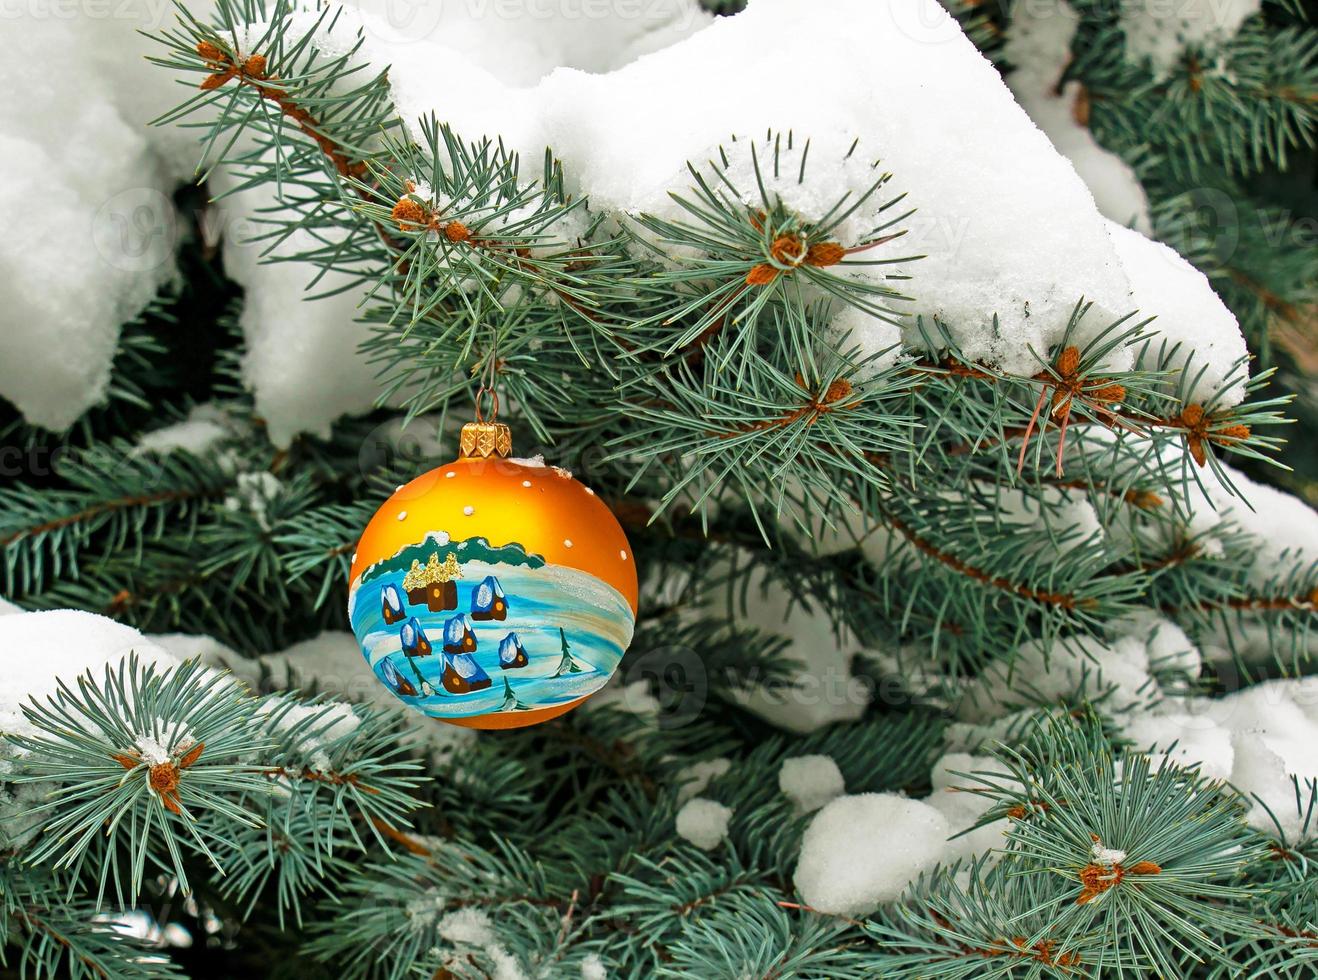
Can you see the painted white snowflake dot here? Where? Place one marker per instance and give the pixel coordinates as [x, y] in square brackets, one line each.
[469, 510]
[622, 555]
[590, 491]
[450, 474]
[402, 515]
[567, 542]
[526, 483]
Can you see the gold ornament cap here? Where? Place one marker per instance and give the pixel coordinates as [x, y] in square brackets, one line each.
[481, 440]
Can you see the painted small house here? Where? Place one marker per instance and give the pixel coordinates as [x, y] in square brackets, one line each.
[462, 674]
[397, 682]
[511, 653]
[458, 637]
[487, 600]
[414, 640]
[436, 596]
[391, 605]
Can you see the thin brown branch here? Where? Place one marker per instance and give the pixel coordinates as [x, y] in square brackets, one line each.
[1061, 600]
[105, 507]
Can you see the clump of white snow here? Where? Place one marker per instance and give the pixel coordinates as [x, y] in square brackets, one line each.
[1194, 333]
[1274, 736]
[301, 360]
[810, 781]
[321, 726]
[876, 342]
[1049, 673]
[1183, 739]
[205, 425]
[90, 226]
[961, 808]
[40, 649]
[697, 776]
[1039, 46]
[1282, 528]
[634, 698]
[822, 689]
[1067, 517]
[703, 822]
[1160, 32]
[862, 851]
[467, 926]
[252, 492]
[164, 740]
[969, 207]
[592, 968]
[1107, 855]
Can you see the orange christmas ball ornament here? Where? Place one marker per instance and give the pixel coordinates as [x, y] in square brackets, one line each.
[493, 592]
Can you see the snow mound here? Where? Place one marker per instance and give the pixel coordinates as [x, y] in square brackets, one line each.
[810, 781]
[1045, 673]
[1283, 528]
[301, 360]
[1039, 45]
[697, 776]
[40, 649]
[862, 851]
[205, 425]
[821, 690]
[1161, 31]
[1274, 735]
[1007, 231]
[703, 822]
[89, 223]
[962, 809]
[971, 207]
[1199, 335]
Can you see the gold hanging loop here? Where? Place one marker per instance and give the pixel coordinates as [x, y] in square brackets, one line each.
[487, 437]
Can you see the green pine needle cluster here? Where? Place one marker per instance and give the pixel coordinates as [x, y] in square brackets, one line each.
[296, 834]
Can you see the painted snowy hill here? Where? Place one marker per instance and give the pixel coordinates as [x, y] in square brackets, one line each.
[470, 549]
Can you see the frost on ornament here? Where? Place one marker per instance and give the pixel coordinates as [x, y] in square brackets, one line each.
[810, 781]
[703, 822]
[862, 851]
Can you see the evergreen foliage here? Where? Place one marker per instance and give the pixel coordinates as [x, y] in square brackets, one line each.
[732, 435]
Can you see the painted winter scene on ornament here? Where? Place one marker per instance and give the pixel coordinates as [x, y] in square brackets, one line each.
[493, 593]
